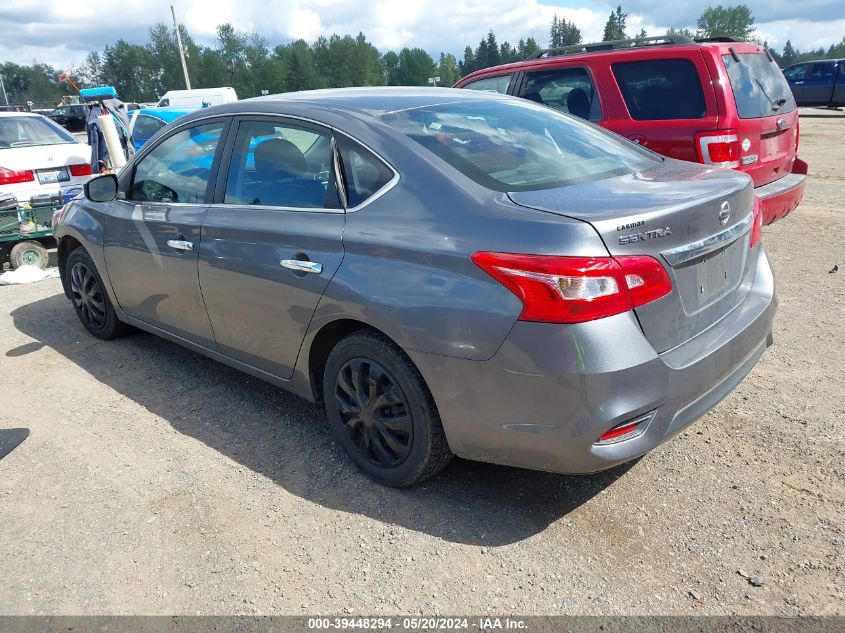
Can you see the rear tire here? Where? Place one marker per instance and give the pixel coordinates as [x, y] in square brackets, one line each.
[90, 299]
[29, 253]
[382, 411]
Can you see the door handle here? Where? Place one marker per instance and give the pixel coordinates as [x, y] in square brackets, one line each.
[302, 266]
[181, 245]
[798, 83]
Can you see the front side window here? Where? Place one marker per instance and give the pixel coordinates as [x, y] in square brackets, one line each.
[364, 173]
[177, 169]
[514, 145]
[661, 89]
[498, 84]
[28, 131]
[569, 90]
[280, 165]
[758, 85]
[145, 127]
[795, 73]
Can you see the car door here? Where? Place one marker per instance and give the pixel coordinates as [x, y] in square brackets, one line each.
[152, 237]
[818, 85]
[272, 239]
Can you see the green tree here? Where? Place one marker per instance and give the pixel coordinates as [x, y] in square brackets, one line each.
[563, 33]
[684, 32]
[468, 64]
[448, 70]
[415, 67]
[390, 61]
[528, 47]
[91, 71]
[789, 55]
[615, 27]
[736, 22]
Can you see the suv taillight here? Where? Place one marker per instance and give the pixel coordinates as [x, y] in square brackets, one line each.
[718, 147]
[12, 177]
[556, 289]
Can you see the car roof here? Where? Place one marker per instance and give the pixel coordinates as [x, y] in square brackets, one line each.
[370, 100]
[6, 113]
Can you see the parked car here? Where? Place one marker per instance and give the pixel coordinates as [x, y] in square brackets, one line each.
[145, 122]
[37, 157]
[818, 83]
[448, 271]
[716, 102]
[71, 117]
[198, 97]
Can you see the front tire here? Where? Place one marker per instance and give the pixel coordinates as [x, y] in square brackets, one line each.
[90, 299]
[382, 411]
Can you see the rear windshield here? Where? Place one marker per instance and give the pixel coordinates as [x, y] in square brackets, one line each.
[26, 131]
[515, 145]
[661, 89]
[759, 86]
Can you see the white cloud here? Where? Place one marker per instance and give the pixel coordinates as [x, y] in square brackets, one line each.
[62, 33]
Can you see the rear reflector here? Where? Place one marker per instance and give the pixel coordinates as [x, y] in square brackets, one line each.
[556, 289]
[12, 177]
[80, 170]
[757, 225]
[626, 430]
[718, 147]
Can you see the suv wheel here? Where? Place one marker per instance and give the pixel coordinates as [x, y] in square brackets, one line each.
[90, 300]
[382, 412]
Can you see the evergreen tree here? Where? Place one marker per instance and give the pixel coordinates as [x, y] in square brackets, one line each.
[789, 55]
[615, 27]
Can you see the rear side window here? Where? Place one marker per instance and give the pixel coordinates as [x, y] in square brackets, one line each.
[145, 127]
[363, 173]
[280, 165]
[569, 90]
[822, 71]
[759, 86]
[498, 84]
[661, 89]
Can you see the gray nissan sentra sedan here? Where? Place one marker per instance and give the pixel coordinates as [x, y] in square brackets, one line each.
[449, 271]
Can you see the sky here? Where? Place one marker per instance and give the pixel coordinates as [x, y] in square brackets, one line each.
[62, 32]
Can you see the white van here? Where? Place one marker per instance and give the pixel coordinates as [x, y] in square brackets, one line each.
[196, 98]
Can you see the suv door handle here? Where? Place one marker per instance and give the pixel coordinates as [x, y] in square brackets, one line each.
[181, 245]
[302, 266]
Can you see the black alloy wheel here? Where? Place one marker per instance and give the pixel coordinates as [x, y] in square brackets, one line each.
[87, 296]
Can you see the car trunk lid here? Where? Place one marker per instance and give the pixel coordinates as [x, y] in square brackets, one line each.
[695, 221]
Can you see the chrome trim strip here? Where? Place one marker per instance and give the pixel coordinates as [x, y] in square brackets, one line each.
[378, 194]
[694, 250]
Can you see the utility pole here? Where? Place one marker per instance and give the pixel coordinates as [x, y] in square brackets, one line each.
[181, 50]
[3, 86]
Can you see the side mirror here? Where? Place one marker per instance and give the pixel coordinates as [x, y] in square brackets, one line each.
[101, 188]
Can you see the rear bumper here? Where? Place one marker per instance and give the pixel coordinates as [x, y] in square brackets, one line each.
[551, 390]
[784, 195]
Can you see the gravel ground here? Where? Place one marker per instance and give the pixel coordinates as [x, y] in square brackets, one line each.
[156, 481]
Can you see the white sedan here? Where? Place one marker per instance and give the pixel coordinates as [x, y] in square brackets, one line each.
[39, 157]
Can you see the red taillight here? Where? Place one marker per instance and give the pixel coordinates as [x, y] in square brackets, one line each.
[556, 289]
[718, 147]
[80, 170]
[11, 177]
[757, 226]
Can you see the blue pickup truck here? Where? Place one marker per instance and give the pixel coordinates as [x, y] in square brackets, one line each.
[818, 83]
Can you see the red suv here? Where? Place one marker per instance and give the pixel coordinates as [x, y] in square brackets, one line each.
[718, 102]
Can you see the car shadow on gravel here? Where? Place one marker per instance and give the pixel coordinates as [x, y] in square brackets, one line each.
[287, 439]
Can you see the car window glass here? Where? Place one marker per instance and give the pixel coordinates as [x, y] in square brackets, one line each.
[491, 84]
[661, 89]
[821, 71]
[515, 145]
[759, 87]
[20, 131]
[280, 165]
[145, 127]
[569, 90]
[364, 173]
[177, 169]
[796, 72]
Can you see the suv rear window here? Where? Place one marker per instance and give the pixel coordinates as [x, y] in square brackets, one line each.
[661, 89]
[759, 86]
[518, 146]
